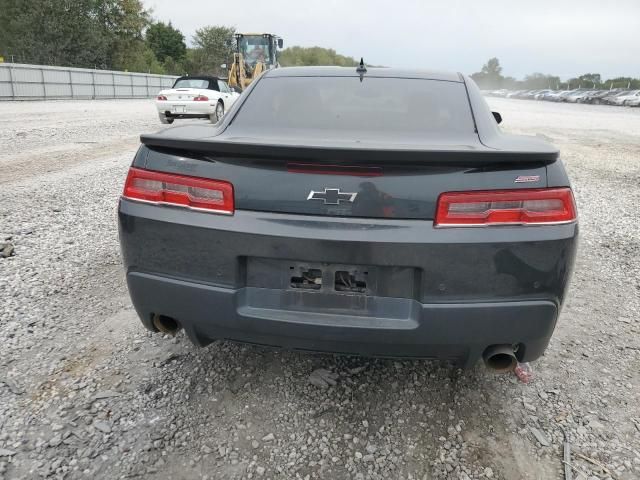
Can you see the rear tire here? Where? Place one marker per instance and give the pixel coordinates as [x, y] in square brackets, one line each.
[219, 113]
[165, 120]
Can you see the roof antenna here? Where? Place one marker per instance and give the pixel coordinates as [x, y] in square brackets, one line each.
[361, 70]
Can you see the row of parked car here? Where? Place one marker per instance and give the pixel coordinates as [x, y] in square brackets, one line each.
[615, 96]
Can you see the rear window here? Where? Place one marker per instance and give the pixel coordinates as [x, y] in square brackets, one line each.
[192, 83]
[392, 106]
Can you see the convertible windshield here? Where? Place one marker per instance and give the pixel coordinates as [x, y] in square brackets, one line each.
[375, 106]
[191, 83]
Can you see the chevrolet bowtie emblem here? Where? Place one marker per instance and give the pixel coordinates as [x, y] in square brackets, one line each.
[332, 196]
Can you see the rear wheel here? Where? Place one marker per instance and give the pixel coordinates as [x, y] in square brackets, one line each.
[165, 120]
[219, 113]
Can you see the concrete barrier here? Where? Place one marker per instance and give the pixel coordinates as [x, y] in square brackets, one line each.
[40, 82]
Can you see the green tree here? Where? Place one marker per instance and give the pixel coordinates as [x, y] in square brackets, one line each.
[622, 82]
[52, 33]
[510, 83]
[123, 23]
[78, 33]
[173, 67]
[490, 76]
[141, 59]
[213, 46]
[591, 79]
[587, 80]
[538, 81]
[166, 41]
[300, 56]
[492, 68]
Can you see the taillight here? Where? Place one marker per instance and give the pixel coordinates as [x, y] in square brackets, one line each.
[179, 190]
[506, 207]
[161, 97]
[200, 98]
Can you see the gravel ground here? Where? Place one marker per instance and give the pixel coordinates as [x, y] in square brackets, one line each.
[86, 392]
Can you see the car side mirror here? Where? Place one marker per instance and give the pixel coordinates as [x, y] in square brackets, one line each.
[280, 43]
[498, 117]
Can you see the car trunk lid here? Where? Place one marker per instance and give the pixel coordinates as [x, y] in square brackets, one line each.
[401, 184]
[181, 94]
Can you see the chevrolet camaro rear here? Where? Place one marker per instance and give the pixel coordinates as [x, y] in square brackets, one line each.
[378, 213]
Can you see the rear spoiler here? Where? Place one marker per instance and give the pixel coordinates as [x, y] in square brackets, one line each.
[269, 151]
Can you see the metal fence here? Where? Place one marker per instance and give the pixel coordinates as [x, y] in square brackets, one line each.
[37, 82]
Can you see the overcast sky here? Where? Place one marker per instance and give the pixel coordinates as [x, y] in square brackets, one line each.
[561, 37]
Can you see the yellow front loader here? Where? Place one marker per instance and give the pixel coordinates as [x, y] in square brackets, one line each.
[255, 53]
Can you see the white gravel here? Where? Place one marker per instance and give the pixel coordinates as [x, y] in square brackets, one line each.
[86, 392]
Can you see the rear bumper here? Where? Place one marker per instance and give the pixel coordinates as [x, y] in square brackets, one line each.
[439, 293]
[166, 107]
[459, 332]
[186, 115]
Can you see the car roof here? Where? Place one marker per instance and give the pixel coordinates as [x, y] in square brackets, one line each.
[199, 77]
[371, 72]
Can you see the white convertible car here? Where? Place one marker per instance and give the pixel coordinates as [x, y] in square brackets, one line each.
[195, 97]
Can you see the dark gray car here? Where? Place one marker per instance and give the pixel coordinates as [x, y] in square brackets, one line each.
[378, 212]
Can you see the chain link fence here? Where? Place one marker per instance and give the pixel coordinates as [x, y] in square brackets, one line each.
[40, 82]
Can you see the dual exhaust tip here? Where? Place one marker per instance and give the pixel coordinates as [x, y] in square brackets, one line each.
[500, 358]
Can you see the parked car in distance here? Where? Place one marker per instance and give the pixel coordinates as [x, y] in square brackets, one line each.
[515, 93]
[585, 98]
[377, 212]
[596, 98]
[561, 96]
[577, 96]
[539, 95]
[612, 99]
[529, 94]
[626, 98]
[499, 93]
[195, 97]
[616, 96]
[633, 102]
[526, 94]
[547, 95]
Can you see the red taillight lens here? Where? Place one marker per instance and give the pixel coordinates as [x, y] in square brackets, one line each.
[161, 97]
[506, 207]
[200, 98]
[179, 190]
